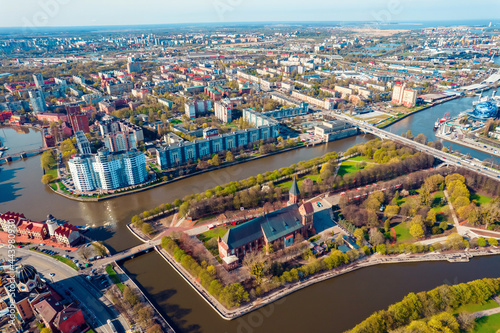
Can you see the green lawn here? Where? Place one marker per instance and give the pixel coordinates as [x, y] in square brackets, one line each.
[360, 158]
[489, 324]
[349, 167]
[402, 232]
[52, 170]
[288, 184]
[436, 202]
[175, 121]
[155, 169]
[480, 199]
[491, 304]
[215, 232]
[114, 277]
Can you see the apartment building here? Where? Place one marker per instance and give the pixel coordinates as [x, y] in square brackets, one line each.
[107, 170]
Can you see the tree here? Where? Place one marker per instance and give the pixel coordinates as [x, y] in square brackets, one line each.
[229, 156]
[391, 211]
[147, 228]
[47, 160]
[443, 225]
[387, 225]
[256, 264]
[130, 296]
[232, 295]
[431, 217]
[376, 237]
[156, 328]
[47, 179]
[360, 236]
[85, 252]
[481, 242]
[455, 241]
[215, 160]
[416, 230]
[492, 241]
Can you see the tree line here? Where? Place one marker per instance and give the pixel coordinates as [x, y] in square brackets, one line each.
[431, 309]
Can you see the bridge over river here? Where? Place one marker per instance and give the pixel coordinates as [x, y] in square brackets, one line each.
[129, 253]
[445, 157]
[23, 154]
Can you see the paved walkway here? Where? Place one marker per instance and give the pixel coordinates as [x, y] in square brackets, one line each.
[486, 313]
[464, 230]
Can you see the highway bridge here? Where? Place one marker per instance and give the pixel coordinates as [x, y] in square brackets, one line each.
[445, 157]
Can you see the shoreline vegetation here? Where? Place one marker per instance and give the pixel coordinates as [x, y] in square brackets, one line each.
[269, 279]
[159, 182]
[435, 310]
[224, 299]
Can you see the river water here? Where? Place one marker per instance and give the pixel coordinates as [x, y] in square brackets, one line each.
[22, 191]
[423, 122]
[333, 306]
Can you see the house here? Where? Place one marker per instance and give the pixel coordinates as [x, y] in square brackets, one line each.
[69, 320]
[278, 228]
[11, 220]
[67, 234]
[33, 229]
[47, 310]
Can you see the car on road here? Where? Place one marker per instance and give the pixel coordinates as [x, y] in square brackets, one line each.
[52, 274]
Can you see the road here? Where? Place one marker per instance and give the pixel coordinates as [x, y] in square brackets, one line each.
[445, 157]
[95, 306]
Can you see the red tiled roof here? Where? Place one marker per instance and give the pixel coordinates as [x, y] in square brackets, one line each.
[65, 230]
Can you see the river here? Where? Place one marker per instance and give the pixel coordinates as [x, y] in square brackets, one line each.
[22, 191]
[423, 122]
[331, 306]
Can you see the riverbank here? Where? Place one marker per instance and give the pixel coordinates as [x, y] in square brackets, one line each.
[152, 186]
[417, 111]
[373, 260]
[144, 299]
[488, 150]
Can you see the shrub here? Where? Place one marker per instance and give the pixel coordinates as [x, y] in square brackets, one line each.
[492, 241]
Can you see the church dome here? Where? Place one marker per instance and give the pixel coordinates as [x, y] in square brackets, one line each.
[25, 273]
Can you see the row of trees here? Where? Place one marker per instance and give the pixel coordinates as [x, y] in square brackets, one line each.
[428, 307]
[231, 295]
[129, 304]
[223, 197]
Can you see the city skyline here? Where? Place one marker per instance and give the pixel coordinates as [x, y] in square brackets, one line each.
[60, 13]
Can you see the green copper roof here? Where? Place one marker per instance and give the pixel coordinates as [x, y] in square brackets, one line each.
[294, 189]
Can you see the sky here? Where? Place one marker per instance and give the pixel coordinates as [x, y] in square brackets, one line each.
[45, 13]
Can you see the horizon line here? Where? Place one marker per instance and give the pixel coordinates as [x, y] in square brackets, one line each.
[416, 22]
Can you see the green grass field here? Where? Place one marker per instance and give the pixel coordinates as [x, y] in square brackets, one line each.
[114, 277]
[491, 304]
[489, 324]
[288, 184]
[402, 232]
[349, 167]
[480, 199]
[360, 158]
[215, 232]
